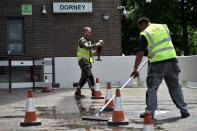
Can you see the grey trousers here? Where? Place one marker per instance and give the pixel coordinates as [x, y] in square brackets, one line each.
[169, 71]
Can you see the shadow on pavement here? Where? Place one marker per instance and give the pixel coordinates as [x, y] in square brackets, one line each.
[167, 120]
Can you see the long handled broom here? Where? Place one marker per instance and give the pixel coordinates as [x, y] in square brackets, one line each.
[96, 117]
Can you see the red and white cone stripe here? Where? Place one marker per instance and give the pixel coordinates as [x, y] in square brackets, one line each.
[110, 106]
[148, 123]
[46, 79]
[30, 115]
[118, 113]
[148, 128]
[108, 94]
[47, 88]
[118, 104]
[97, 92]
[30, 106]
[97, 87]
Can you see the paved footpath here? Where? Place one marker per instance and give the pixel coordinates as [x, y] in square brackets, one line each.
[60, 111]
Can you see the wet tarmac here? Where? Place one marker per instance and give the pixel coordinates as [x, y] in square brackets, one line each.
[59, 110]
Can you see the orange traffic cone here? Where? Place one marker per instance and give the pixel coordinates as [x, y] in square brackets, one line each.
[97, 92]
[46, 89]
[30, 115]
[118, 114]
[148, 124]
[110, 106]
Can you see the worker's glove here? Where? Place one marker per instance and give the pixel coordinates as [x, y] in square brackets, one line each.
[100, 43]
[134, 74]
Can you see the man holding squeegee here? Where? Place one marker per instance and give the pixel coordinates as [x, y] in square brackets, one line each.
[163, 65]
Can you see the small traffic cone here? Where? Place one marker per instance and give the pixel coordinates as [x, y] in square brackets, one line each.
[118, 114]
[46, 89]
[110, 106]
[97, 92]
[148, 124]
[30, 115]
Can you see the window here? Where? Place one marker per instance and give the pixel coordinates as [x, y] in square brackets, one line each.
[15, 36]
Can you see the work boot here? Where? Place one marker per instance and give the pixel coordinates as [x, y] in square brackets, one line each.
[185, 115]
[143, 114]
[78, 94]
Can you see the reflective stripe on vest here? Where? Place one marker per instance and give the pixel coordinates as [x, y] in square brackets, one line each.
[160, 50]
[166, 29]
[159, 43]
[83, 56]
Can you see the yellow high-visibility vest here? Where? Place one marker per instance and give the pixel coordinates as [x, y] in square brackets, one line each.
[82, 53]
[160, 46]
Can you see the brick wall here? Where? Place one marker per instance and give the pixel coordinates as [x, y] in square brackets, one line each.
[57, 34]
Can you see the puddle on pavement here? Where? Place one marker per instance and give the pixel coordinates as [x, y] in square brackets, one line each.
[15, 116]
[159, 128]
[68, 108]
[69, 112]
[45, 108]
[93, 125]
[137, 113]
[100, 127]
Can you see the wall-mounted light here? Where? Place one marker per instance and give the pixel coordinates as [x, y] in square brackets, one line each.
[148, 1]
[106, 15]
[124, 11]
[44, 9]
[120, 7]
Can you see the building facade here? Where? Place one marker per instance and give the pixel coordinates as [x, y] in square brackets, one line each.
[31, 27]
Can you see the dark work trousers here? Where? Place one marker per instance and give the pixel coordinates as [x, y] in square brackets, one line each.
[170, 72]
[86, 74]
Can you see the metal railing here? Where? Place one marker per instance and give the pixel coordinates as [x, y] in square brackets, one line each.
[25, 60]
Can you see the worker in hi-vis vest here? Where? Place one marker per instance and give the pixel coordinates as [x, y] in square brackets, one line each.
[163, 64]
[85, 56]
